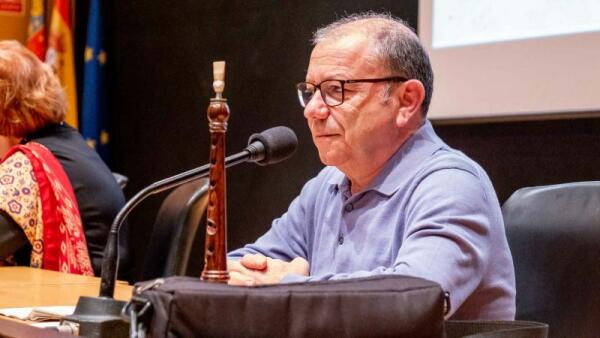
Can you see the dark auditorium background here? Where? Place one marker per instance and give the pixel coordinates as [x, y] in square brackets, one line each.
[160, 75]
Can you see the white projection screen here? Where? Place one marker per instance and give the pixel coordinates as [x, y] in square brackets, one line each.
[512, 59]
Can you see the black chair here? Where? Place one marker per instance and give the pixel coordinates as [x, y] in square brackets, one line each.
[122, 180]
[554, 235]
[175, 231]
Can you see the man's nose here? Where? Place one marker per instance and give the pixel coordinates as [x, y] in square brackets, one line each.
[316, 108]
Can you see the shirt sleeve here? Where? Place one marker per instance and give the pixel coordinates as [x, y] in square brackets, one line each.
[288, 236]
[448, 220]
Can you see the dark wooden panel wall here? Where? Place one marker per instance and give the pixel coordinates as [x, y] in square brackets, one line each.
[161, 54]
[528, 153]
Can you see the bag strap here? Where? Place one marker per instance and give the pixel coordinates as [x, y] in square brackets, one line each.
[495, 329]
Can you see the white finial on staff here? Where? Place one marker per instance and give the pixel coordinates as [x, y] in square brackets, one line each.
[219, 77]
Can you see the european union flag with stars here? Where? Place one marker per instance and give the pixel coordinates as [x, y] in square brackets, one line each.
[94, 115]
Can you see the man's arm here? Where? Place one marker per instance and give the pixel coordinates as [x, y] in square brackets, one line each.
[289, 235]
[274, 255]
[286, 244]
[285, 239]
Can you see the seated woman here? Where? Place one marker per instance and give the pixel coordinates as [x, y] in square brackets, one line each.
[57, 197]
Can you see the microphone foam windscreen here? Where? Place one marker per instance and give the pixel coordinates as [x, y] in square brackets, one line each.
[279, 142]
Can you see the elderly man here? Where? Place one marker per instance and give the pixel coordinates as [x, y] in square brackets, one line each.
[393, 197]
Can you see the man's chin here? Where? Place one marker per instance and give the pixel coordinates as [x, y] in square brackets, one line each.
[329, 158]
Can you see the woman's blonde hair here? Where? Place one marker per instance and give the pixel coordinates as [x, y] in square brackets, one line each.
[31, 96]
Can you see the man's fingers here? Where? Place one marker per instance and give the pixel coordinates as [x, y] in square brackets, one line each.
[254, 262]
[239, 268]
[240, 275]
[258, 270]
[234, 266]
[300, 266]
[236, 278]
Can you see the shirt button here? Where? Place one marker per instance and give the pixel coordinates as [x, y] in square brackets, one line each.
[349, 207]
[341, 239]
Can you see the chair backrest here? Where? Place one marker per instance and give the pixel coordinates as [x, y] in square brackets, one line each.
[554, 235]
[174, 231]
[121, 179]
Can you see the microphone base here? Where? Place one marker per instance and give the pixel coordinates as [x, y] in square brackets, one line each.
[99, 317]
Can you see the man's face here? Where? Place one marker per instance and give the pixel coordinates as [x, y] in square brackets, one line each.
[363, 128]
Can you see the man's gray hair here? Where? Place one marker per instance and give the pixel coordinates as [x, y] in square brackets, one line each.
[394, 44]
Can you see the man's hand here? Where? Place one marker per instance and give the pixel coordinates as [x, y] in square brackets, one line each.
[258, 269]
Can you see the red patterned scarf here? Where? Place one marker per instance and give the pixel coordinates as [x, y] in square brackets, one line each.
[36, 193]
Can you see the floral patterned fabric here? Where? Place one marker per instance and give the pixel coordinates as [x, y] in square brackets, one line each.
[36, 193]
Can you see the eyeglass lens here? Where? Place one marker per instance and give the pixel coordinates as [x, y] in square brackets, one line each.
[305, 92]
[332, 92]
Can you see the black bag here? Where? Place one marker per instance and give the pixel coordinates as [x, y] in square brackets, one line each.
[382, 306]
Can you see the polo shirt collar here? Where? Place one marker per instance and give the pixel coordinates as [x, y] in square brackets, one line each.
[402, 166]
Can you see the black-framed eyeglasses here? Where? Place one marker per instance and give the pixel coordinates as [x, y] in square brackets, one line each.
[332, 91]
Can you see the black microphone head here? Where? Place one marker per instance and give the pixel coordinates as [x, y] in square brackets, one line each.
[272, 145]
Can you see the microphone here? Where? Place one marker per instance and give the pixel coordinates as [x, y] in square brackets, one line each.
[268, 147]
[272, 145]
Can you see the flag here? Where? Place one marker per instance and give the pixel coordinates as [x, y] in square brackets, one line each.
[60, 54]
[36, 31]
[94, 112]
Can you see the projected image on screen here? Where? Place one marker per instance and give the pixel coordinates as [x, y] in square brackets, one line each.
[466, 22]
[495, 59]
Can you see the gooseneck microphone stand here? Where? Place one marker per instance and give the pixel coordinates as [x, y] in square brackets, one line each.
[101, 316]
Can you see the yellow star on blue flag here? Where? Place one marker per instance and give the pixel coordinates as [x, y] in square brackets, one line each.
[94, 114]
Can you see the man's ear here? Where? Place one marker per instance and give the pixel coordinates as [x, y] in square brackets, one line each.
[410, 95]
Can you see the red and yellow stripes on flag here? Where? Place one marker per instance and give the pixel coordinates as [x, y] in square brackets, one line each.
[60, 54]
[36, 31]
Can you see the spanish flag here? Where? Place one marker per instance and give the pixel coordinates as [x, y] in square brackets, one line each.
[36, 31]
[60, 54]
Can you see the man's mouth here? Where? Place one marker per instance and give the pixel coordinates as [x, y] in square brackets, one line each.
[326, 135]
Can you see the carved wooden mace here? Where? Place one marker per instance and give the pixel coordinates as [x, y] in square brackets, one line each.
[215, 253]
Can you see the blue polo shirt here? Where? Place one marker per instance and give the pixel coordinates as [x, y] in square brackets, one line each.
[432, 213]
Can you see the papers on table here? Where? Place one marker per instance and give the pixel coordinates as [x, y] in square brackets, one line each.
[38, 314]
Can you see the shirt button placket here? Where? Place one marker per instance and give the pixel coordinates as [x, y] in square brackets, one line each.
[348, 207]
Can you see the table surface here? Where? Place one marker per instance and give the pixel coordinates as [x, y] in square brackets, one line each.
[29, 287]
